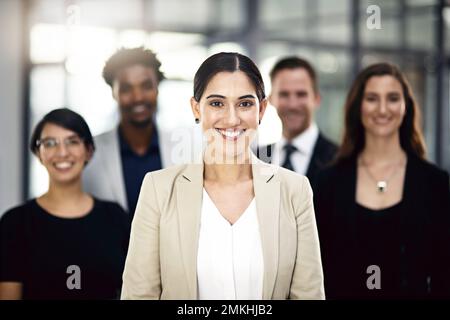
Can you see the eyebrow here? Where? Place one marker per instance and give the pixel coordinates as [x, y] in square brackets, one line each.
[247, 96]
[376, 93]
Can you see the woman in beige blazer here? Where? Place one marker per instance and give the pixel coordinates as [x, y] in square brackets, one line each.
[164, 260]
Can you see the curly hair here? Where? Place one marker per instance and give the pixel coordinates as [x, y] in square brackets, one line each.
[125, 57]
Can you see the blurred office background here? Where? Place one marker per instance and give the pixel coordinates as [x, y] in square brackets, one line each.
[53, 51]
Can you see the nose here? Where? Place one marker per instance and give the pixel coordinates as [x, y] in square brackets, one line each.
[382, 106]
[293, 102]
[232, 118]
[138, 95]
[61, 149]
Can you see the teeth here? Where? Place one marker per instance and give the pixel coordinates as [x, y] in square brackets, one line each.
[231, 133]
[63, 165]
[382, 120]
[139, 108]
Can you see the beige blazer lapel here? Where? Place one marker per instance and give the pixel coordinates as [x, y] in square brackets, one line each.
[267, 194]
[189, 201]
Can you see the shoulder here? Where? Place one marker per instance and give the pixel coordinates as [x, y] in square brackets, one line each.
[109, 207]
[289, 177]
[163, 180]
[427, 170]
[336, 169]
[292, 184]
[111, 212]
[104, 147]
[16, 215]
[167, 175]
[325, 143]
[335, 173]
[106, 137]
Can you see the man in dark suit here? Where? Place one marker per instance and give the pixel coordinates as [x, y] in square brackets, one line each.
[295, 95]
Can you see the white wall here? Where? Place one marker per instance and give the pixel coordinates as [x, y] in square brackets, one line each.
[11, 22]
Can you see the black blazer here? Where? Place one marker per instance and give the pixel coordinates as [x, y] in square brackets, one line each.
[424, 230]
[324, 151]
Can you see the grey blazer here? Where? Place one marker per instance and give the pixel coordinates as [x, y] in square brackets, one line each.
[162, 255]
[103, 176]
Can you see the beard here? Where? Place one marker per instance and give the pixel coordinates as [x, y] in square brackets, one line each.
[132, 114]
[141, 123]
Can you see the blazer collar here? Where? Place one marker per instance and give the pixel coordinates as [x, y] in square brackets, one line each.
[113, 165]
[189, 203]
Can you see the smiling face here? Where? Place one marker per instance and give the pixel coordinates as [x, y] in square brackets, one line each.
[62, 153]
[295, 100]
[383, 106]
[135, 89]
[229, 111]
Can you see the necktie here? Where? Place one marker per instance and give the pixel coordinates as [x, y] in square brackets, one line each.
[289, 150]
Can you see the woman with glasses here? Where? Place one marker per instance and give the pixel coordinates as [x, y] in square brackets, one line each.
[64, 244]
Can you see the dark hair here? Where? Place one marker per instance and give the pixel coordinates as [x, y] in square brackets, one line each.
[411, 137]
[228, 62]
[125, 57]
[294, 63]
[67, 119]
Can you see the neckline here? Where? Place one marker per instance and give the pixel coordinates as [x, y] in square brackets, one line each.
[353, 163]
[58, 218]
[384, 209]
[242, 215]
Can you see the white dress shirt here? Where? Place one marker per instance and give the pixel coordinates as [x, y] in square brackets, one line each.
[304, 143]
[230, 261]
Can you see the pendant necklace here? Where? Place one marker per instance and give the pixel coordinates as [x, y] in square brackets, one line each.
[381, 184]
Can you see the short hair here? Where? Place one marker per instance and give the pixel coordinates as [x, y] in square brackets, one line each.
[67, 119]
[228, 62]
[295, 62]
[411, 136]
[126, 57]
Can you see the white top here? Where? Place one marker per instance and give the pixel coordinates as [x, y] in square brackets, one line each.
[304, 143]
[230, 261]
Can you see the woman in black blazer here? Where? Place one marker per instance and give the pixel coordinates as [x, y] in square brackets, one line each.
[383, 212]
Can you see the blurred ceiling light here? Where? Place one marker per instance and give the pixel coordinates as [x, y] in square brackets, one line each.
[226, 47]
[368, 59]
[183, 63]
[447, 16]
[47, 43]
[88, 48]
[174, 49]
[164, 41]
[327, 62]
[132, 38]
